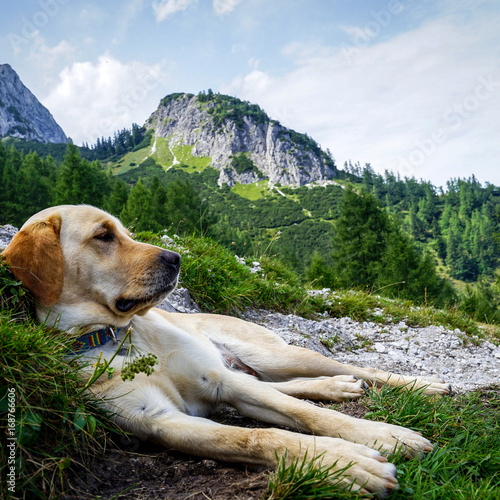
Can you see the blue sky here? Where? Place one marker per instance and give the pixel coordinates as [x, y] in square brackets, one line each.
[409, 86]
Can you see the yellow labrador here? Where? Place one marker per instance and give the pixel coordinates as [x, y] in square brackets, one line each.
[89, 275]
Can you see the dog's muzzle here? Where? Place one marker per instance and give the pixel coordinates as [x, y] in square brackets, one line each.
[160, 282]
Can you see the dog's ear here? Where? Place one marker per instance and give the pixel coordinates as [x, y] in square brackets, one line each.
[35, 258]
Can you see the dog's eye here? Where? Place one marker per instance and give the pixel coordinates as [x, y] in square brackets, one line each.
[104, 237]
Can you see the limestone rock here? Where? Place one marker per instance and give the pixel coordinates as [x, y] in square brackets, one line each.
[21, 113]
[7, 232]
[278, 154]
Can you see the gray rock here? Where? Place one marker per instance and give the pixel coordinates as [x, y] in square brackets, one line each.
[21, 113]
[7, 232]
[179, 301]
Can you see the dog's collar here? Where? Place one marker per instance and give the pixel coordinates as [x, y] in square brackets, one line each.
[94, 339]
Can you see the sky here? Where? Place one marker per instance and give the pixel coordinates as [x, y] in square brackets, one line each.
[409, 86]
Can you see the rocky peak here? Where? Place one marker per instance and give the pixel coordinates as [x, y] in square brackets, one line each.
[244, 144]
[21, 113]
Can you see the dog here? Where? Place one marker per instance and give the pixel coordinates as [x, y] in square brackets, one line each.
[88, 275]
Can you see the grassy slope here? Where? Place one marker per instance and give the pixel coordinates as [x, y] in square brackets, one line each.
[164, 155]
[254, 191]
[464, 465]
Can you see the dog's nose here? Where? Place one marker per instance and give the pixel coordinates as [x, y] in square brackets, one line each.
[173, 259]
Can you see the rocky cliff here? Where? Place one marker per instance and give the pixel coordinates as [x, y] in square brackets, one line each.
[240, 139]
[21, 113]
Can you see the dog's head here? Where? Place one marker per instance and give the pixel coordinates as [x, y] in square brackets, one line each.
[77, 256]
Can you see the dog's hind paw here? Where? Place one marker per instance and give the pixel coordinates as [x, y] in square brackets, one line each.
[433, 385]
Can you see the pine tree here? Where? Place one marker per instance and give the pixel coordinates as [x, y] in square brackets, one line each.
[416, 225]
[117, 199]
[70, 179]
[137, 211]
[98, 186]
[158, 199]
[185, 209]
[79, 181]
[359, 240]
[36, 190]
[3, 159]
[11, 202]
[3, 191]
[319, 273]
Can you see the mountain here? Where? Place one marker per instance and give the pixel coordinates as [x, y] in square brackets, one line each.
[239, 140]
[21, 113]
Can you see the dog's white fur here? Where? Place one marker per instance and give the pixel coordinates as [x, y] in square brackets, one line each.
[87, 273]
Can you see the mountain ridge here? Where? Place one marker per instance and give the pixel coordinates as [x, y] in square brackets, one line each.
[243, 143]
[22, 115]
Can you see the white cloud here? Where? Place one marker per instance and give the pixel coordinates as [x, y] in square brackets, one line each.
[165, 8]
[425, 103]
[223, 7]
[253, 63]
[44, 56]
[94, 100]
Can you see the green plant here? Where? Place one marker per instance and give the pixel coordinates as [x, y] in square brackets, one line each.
[465, 431]
[54, 424]
[55, 427]
[242, 164]
[301, 479]
[220, 284]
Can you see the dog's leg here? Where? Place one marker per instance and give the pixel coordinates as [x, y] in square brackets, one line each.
[338, 388]
[288, 362]
[263, 402]
[147, 413]
[275, 361]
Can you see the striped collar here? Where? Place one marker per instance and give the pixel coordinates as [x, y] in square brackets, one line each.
[94, 339]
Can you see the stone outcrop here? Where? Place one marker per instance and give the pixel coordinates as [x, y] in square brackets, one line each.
[277, 153]
[7, 232]
[21, 113]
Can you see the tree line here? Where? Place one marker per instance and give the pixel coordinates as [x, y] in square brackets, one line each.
[122, 142]
[461, 224]
[30, 184]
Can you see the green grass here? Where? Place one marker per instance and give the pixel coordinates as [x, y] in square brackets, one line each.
[253, 191]
[55, 429]
[260, 189]
[466, 433]
[220, 284]
[306, 479]
[464, 465]
[193, 163]
[163, 154]
[362, 305]
[131, 160]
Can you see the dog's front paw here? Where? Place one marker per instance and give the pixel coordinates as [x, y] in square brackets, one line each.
[393, 439]
[343, 387]
[367, 471]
